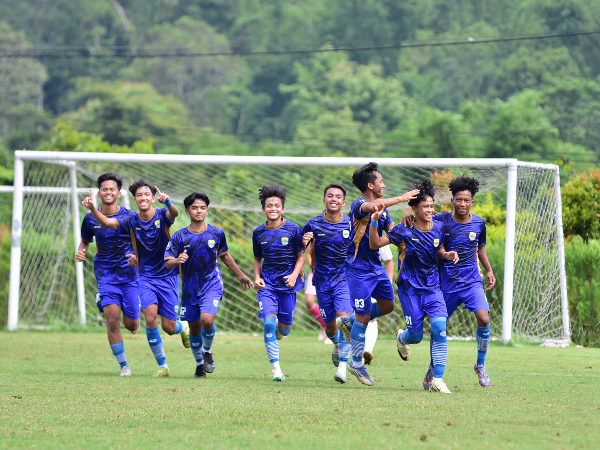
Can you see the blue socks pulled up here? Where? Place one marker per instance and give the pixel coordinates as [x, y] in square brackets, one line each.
[196, 346]
[483, 342]
[439, 347]
[357, 337]
[178, 327]
[118, 350]
[407, 337]
[156, 345]
[343, 347]
[270, 339]
[208, 337]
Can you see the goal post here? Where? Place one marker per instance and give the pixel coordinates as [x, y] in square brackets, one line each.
[531, 299]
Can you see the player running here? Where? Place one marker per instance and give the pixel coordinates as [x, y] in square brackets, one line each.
[278, 261]
[150, 231]
[462, 283]
[365, 276]
[327, 237]
[418, 280]
[114, 266]
[196, 250]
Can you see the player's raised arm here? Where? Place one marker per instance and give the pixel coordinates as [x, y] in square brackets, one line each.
[369, 207]
[172, 212]
[483, 257]
[108, 222]
[376, 241]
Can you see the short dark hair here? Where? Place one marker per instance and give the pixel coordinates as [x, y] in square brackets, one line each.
[140, 184]
[425, 188]
[365, 175]
[464, 183]
[190, 199]
[108, 177]
[334, 186]
[271, 191]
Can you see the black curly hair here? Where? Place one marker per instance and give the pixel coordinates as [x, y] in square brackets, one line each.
[110, 176]
[426, 190]
[140, 184]
[271, 191]
[365, 175]
[190, 199]
[464, 183]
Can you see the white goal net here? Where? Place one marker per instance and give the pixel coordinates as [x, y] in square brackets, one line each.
[47, 279]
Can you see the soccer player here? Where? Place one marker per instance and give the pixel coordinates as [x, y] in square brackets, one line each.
[114, 266]
[150, 231]
[278, 261]
[327, 237]
[462, 283]
[385, 254]
[196, 250]
[418, 280]
[365, 276]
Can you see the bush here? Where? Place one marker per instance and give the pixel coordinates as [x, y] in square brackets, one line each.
[581, 205]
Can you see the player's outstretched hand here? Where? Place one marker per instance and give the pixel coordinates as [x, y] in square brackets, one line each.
[182, 258]
[132, 259]
[290, 280]
[451, 256]
[408, 220]
[80, 256]
[162, 197]
[88, 202]
[259, 283]
[409, 195]
[307, 238]
[491, 280]
[379, 209]
[246, 282]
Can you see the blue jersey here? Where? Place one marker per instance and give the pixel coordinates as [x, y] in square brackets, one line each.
[110, 263]
[278, 248]
[330, 247]
[201, 272]
[417, 256]
[360, 255]
[465, 239]
[152, 237]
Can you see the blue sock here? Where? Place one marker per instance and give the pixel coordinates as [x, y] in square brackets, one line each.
[352, 318]
[333, 338]
[196, 346]
[343, 347]
[375, 313]
[410, 338]
[119, 352]
[178, 327]
[358, 343]
[431, 350]
[284, 331]
[271, 340]
[207, 338]
[439, 348]
[155, 342]
[483, 342]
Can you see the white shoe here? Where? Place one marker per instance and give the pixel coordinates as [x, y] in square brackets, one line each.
[322, 335]
[438, 385]
[278, 375]
[328, 341]
[403, 349]
[125, 371]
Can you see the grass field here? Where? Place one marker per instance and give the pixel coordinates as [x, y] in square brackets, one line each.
[62, 390]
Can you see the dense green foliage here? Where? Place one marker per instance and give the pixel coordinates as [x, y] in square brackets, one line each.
[61, 390]
[581, 205]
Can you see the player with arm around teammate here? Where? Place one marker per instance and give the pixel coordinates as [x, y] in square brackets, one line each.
[365, 276]
[327, 238]
[278, 261]
[418, 280]
[196, 249]
[114, 267]
[150, 231]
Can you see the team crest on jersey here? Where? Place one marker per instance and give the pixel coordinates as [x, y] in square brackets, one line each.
[346, 234]
[472, 236]
[284, 241]
[157, 223]
[168, 246]
[216, 303]
[436, 242]
[211, 243]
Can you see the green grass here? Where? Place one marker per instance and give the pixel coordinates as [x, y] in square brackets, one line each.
[62, 390]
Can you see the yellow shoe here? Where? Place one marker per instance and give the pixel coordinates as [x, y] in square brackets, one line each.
[185, 334]
[163, 372]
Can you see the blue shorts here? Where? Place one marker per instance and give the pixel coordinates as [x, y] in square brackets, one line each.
[280, 303]
[416, 304]
[333, 300]
[191, 308]
[364, 284]
[125, 295]
[472, 296]
[163, 292]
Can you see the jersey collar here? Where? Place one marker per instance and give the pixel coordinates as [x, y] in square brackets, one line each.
[198, 232]
[331, 221]
[278, 226]
[462, 221]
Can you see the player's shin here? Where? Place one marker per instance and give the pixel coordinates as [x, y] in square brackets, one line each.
[358, 343]
[439, 348]
[118, 350]
[483, 342]
[196, 346]
[344, 349]
[208, 337]
[271, 344]
[156, 345]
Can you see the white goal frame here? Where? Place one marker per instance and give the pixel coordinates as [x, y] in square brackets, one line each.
[71, 159]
